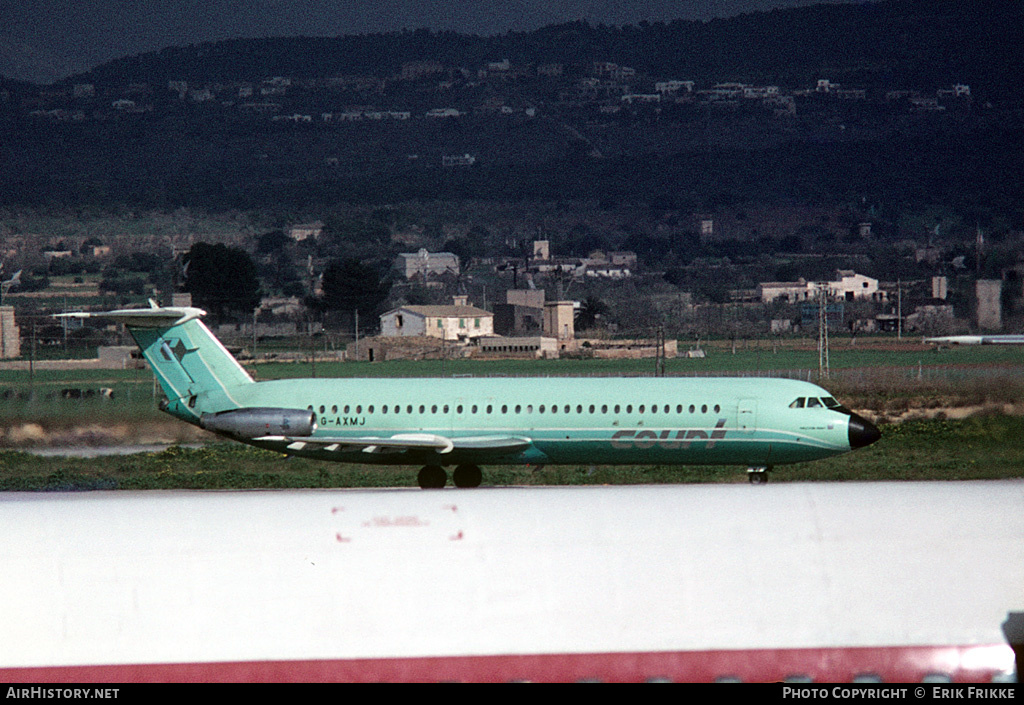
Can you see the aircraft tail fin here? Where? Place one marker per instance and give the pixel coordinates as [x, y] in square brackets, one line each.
[195, 370]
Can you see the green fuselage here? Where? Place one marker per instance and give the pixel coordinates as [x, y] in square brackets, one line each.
[632, 421]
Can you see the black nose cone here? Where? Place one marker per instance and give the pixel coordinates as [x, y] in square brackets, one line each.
[862, 432]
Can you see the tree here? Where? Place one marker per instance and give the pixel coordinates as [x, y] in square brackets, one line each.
[349, 285]
[272, 242]
[221, 279]
[590, 311]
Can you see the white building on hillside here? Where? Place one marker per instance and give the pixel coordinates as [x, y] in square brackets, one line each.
[424, 263]
[851, 286]
[451, 322]
[848, 286]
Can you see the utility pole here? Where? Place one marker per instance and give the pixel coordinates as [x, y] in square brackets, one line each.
[899, 310]
[312, 295]
[32, 362]
[823, 366]
[659, 359]
[312, 346]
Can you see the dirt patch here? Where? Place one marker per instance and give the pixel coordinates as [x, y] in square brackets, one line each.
[35, 435]
[947, 412]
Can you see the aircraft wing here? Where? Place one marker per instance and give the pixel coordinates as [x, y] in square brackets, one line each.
[403, 442]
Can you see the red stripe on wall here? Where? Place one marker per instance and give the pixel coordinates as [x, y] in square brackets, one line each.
[891, 664]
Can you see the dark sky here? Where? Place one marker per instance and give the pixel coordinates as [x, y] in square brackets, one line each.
[44, 40]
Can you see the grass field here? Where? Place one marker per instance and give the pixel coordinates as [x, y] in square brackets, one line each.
[874, 378]
[984, 447]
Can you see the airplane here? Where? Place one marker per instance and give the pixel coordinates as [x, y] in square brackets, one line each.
[467, 422]
[977, 340]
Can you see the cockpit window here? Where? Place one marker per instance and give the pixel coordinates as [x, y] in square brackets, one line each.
[815, 403]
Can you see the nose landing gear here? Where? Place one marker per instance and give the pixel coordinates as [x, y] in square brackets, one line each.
[758, 475]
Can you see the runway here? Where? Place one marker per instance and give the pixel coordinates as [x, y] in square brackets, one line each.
[830, 581]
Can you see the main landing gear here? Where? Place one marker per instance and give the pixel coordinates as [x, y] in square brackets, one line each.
[758, 475]
[434, 477]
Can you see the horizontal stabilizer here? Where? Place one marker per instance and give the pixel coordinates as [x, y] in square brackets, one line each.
[153, 317]
[406, 442]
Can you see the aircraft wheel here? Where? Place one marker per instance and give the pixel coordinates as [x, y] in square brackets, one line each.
[758, 476]
[467, 476]
[432, 477]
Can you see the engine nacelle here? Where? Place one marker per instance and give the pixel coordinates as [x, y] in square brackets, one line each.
[256, 422]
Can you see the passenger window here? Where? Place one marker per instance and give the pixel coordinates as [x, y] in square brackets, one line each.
[704, 408]
[640, 409]
[334, 409]
[692, 408]
[798, 403]
[629, 408]
[717, 408]
[591, 408]
[541, 409]
[369, 409]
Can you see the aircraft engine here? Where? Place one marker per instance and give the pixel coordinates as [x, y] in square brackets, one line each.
[256, 422]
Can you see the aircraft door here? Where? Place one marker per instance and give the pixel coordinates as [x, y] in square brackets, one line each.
[746, 417]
